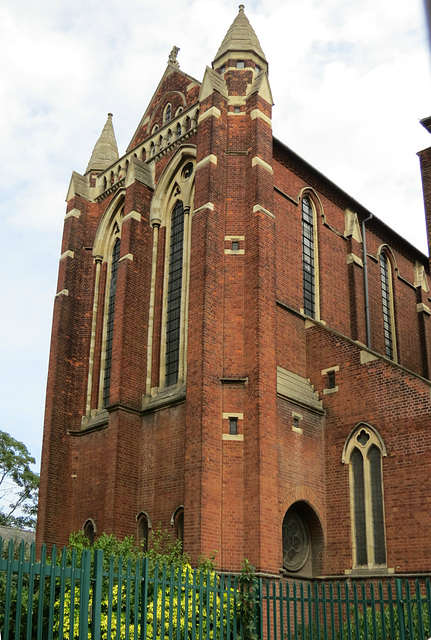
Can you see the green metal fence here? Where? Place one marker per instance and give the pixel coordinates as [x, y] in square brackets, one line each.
[95, 597]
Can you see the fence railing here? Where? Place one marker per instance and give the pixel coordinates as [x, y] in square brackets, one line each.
[91, 596]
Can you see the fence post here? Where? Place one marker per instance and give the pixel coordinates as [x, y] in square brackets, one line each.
[144, 599]
[258, 610]
[84, 593]
[400, 608]
[96, 609]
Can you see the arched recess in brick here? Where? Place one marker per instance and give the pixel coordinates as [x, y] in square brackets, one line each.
[106, 253]
[144, 527]
[302, 541]
[171, 208]
[177, 522]
[89, 530]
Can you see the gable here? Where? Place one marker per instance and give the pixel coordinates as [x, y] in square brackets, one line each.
[176, 88]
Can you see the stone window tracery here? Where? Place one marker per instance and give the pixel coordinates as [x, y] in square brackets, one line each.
[363, 453]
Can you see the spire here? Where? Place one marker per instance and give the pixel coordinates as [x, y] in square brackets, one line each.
[240, 38]
[105, 150]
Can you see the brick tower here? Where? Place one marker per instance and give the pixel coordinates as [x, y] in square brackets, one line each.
[219, 364]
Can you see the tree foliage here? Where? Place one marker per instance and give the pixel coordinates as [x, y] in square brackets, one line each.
[18, 484]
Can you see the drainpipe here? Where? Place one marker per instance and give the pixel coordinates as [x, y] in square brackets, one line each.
[367, 301]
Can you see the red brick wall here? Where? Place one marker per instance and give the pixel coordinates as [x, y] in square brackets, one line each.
[244, 321]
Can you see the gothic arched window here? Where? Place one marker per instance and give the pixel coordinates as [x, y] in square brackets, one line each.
[177, 521]
[173, 202]
[110, 321]
[173, 316]
[144, 526]
[89, 530]
[363, 453]
[168, 113]
[387, 306]
[309, 258]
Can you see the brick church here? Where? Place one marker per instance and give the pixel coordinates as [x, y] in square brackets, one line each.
[240, 351]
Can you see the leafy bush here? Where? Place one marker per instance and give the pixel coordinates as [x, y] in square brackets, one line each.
[177, 596]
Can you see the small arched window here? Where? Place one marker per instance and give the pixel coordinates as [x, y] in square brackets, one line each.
[152, 150]
[178, 111]
[309, 246]
[89, 530]
[155, 128]
[144, 526]
[177, 521]
[387, 306]
[168, 113]
[363, 452]
[178, 130]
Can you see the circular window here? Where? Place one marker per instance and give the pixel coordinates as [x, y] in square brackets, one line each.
[187, 171]
[295, 541]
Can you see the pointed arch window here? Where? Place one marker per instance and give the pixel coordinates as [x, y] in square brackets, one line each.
[387, 306]
[174, 198]
[144, 526]
[168, 113]
[110, 321]
[177, 522]
[89, 530]
[173, 319]
[363, 452]
[308, 257]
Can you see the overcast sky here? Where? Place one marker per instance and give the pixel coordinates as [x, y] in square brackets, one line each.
[350, 81]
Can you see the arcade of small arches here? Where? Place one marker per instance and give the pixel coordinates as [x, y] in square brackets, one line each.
[143, 528]
[160, 142]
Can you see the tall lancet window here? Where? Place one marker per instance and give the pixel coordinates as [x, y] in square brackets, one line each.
[110, 321]
[173, 318]
[387, 304]
[363, 452]
[308, 258]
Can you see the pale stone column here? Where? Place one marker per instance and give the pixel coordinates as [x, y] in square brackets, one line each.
[156, 226]
[98, 260]
[184, 297]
